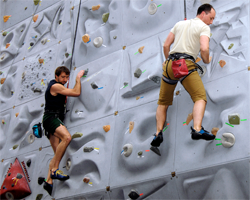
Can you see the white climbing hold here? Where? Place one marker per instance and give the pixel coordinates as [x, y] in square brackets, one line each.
[227, 140]
[152, 8]
[98, 42]
[127, 150]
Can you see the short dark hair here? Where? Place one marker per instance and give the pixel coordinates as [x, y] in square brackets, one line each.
[205, 7]
[61, 69]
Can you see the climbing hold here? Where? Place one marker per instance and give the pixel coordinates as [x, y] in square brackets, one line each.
[234, 119]
[222, 63]
[98, 42]
[140, 153]
[42, 104]
[15, 146]
[248, 68]
[11, 92]
[125, 84]
[115, 37]
[12, 185]
[88, 149]
[140, 50]
[39, 196]
[177, 92]
[60, 21]
[19, 176]
[28, 163]
[124, 47]
[31, 138]
[108, 188]
[35, 18]
[173, 174]
[68, 164]
[1, 72]
[25, 8]
[40, 60]
[106, 128]
[4, 33]
[2, 80]
[3, 122]
[131, 126]
[43, 41]
[137, 73]
[138, 97]
[72, 8]
[86, 72]
[105, 17]
[96, 7]
[40, 180]
[198, 59]
[36, 2]
[66, 55]
[231, 46]
[7, 45]
[86, 180]
[94, 85]
[127, 149]
[116, 113]
[31, 44]
[204, 71]
[189, 118]
[227, 140]
[37, 90]
[156, 79]
[85, 38]
[155, 150]
[17, 114]
[40, 148]
[77, 135]
[133, 194]
[6, 18]
[152, 8]
[9, 174]
[214, 131]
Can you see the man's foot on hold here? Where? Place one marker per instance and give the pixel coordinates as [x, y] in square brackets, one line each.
[48, 187]
[202, 134]
[157, 140]
[155, 150]
[58, 174]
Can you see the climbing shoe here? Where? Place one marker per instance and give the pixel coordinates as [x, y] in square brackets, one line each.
[48, 187]
[155, 150]
[58, 174]
[157, 140]
[202, 134]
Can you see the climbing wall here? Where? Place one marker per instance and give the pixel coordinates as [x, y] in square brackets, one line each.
[113, 121]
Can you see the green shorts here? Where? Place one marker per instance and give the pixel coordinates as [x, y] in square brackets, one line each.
[192, 83]
[51, 121]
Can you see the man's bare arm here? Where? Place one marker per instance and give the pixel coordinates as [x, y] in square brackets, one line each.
[204, 47]
[75, 92]
[167, 44]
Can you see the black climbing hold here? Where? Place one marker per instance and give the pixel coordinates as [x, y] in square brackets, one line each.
[94, 85]
[37, 90]
[25, 8]
[125, 83]
[140, 153]
[28, 162]
[9, 174]
[156, 150]
[86, 72]
[4, 33]
[138, 73]
[12, 185]
[4, 187]
[66, 55]
[39, 196]
[88, 149]
[19, 176]
[31, 44]
[40, 180]
[60, 21]
[36, 2]
[133, 195]
[156, 79]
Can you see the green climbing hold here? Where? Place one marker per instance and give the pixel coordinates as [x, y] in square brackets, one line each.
[231, 46]
[105, 17]
[77, 135]
[1, 72]
[36, 2]
[39, 196]
[15, 146]
[4, 33]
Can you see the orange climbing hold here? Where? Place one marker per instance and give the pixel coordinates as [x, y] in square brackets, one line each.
[222, 63]
[2, 80]
[189, 118]
[198, 59]
[96, 7]
[140, 50]
[6, 18]
[40, 60]
[3, 122]
[17, 114]
[85, 38]
[35, 18]
[131, 126]
[7, 45]
[214, 131]
[106, 128]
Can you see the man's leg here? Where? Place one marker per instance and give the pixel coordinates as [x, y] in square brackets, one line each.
[198, 113]
[161, 115]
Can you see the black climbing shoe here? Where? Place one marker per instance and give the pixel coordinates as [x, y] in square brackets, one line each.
[157, 140]
[48, 187]
[155, 150]
[202, 134]
[58, 174]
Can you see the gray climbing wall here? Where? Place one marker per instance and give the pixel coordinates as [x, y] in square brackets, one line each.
[49, 34]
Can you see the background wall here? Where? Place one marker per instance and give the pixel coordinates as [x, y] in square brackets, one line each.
[187, 169]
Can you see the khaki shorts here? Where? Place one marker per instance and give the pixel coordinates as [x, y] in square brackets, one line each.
[192, 83]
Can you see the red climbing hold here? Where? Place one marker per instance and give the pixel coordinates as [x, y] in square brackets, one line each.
[15, 185]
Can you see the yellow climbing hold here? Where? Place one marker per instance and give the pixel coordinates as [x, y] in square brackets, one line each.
[140, 50]
[231, 46]
[77, 135]
[198, 59]
[7, 45]
[131, 126]
[15, 146]
[17, 114]
[214, 131]
[105, 17]
[36, 2]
